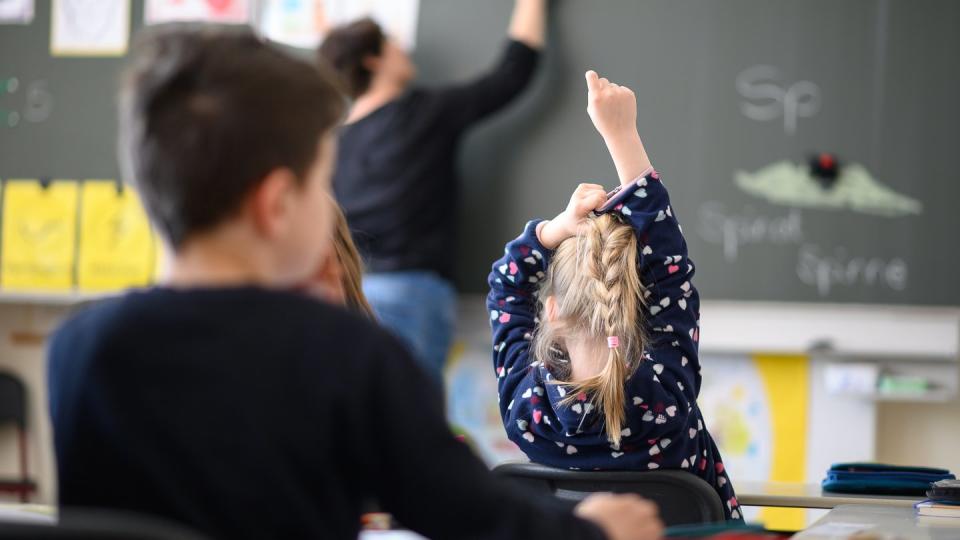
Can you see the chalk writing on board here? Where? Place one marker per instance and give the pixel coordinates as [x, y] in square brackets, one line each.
[9, 85]
[824, 270]
[789, 184]
[37, 102]
[733, 230]
[827, 271]
[767, 99]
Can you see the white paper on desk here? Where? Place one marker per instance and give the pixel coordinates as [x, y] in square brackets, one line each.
[837, 529]
[90, 27]
[16, 514]
[16, 11]
[302, 23]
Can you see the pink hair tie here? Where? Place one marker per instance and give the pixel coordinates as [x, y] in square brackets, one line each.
[613, 342]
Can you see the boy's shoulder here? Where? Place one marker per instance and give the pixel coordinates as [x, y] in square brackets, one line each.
[142, 316]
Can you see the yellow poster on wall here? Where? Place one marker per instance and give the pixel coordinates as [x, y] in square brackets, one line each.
[39, 235]
[786, 379]
[757, 409]
[116, 243]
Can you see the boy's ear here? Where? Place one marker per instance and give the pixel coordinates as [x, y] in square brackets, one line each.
[371, 62]
[270, 203]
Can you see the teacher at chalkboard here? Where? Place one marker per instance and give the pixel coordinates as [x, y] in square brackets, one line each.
[396, 173]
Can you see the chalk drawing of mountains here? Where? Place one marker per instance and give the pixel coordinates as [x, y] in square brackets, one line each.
[789, 184]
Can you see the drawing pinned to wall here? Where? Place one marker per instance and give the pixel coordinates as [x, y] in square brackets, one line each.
[737, 411]
[472, 402]
[302, 23]
[35, 106]
[90, 27]
[16, 11]
[790, 184]
[217, 11]
[39, 231]
[8, 86]
[756, 408]
[116, 243]
[397, 17]
[38, 102]
[298, 23]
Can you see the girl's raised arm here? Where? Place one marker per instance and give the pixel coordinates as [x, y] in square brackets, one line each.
[673, 304]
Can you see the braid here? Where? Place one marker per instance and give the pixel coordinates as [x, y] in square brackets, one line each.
[599, 295]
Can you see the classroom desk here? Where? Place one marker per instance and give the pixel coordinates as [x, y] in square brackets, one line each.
[811, 496]
[875, 522]
[28, 513]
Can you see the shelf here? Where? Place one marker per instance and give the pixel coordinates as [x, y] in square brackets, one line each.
[51, 298]
[836, 331]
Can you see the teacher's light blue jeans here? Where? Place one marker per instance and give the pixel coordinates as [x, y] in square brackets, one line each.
[420, 308]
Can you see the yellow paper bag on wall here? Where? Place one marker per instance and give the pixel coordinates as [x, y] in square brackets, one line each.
[39, 235]
[116, 243]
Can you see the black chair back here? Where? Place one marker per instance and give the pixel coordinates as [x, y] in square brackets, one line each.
[683, 498]
[13, 401]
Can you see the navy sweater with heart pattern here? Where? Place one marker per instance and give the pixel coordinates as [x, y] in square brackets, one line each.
[664, 427]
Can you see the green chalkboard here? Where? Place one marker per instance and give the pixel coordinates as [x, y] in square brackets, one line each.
[734, 98]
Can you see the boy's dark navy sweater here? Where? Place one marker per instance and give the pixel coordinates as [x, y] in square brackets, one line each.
[248, 413]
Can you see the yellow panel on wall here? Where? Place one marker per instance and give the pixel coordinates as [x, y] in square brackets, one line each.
[39, 235]
[786, 379]
[116, 244]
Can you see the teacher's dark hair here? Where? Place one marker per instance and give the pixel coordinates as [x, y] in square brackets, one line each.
[346, 48]
[206, 113]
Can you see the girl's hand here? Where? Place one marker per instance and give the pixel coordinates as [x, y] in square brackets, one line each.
[612, 108]
[585, 199]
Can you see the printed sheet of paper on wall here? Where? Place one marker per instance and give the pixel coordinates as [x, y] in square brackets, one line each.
[16, 11]
[90, 27]
[116, 244]
[302, 23]
[39, 235]
[220, 11]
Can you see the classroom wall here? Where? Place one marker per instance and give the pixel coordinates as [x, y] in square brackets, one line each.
[907, 433]
[24, 327]
[920, 434]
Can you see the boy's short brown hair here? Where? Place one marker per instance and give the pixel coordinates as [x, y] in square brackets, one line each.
[206, 112]
[346, 48]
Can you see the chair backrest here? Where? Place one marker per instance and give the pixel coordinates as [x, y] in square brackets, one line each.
[102, 524]
[13, 400]
[683, 498]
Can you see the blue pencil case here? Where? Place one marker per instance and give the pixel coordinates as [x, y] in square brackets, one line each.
[882, 479]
